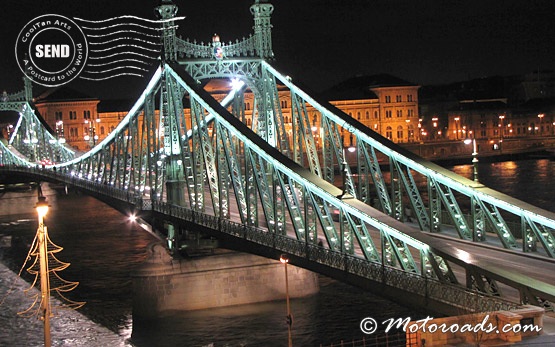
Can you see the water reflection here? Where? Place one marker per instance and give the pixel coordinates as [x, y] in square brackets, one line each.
[527, 180]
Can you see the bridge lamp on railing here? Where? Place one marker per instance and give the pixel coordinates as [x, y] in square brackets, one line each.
[284, 260]
[351, 147]
[236, 84]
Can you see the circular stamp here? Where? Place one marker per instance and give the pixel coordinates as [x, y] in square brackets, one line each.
[51, 50]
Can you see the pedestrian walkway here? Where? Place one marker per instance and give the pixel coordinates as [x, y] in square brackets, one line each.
[70, 328]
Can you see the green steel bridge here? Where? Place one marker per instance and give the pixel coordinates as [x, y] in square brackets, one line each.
[265, 188]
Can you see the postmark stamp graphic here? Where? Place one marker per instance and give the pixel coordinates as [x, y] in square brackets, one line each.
[51, 50]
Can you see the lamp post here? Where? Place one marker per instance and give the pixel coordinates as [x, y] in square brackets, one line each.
[434, 125]
[474, 156]
[540, 116]
[283, 258]
[501, 131]
[42, 210]
[91, 135]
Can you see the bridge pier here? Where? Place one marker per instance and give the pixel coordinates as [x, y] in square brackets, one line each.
[164, 283]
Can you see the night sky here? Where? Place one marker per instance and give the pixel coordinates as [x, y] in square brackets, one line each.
[321, 42]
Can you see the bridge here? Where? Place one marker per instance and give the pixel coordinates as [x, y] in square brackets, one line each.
[260, 184]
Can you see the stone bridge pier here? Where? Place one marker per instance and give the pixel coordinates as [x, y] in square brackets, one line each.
[163, 283]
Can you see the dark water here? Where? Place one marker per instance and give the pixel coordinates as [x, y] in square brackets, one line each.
[103, 248]
[531, 181]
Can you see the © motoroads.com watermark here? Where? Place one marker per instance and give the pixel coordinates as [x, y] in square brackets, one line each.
[369, 325]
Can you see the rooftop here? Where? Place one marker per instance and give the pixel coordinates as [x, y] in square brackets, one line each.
[62, 93]
[359, 87]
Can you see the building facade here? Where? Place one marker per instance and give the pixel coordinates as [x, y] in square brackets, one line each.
[384, 103]
[73, 116]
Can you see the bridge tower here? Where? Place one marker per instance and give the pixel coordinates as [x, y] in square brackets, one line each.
[166, 11]
[171, 114]
[28, 85]
[261, 10]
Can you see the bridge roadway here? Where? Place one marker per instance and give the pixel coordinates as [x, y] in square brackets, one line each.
[515, 268]
[526, 271]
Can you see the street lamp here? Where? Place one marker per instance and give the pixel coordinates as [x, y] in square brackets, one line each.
[434, 125]
[457, 127]
[283, 258]
[474, 156]
[540, 116]
[42, 210]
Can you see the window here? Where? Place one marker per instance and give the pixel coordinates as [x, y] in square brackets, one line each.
[398, 98]
[87, 114]
[399, 113]
[376, 114]
[409, 97]
[283, 103]
[388, 98]
[358, 115]
[388, 133]
[367, 115]
[388, 114]
[247, 106]
[410, 113]
[58, 115]
[399, 133]
[101, 130]
[72, 115]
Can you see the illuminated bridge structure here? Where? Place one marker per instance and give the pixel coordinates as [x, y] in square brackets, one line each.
[264, 187]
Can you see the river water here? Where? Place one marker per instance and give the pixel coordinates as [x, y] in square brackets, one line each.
[103, 248]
